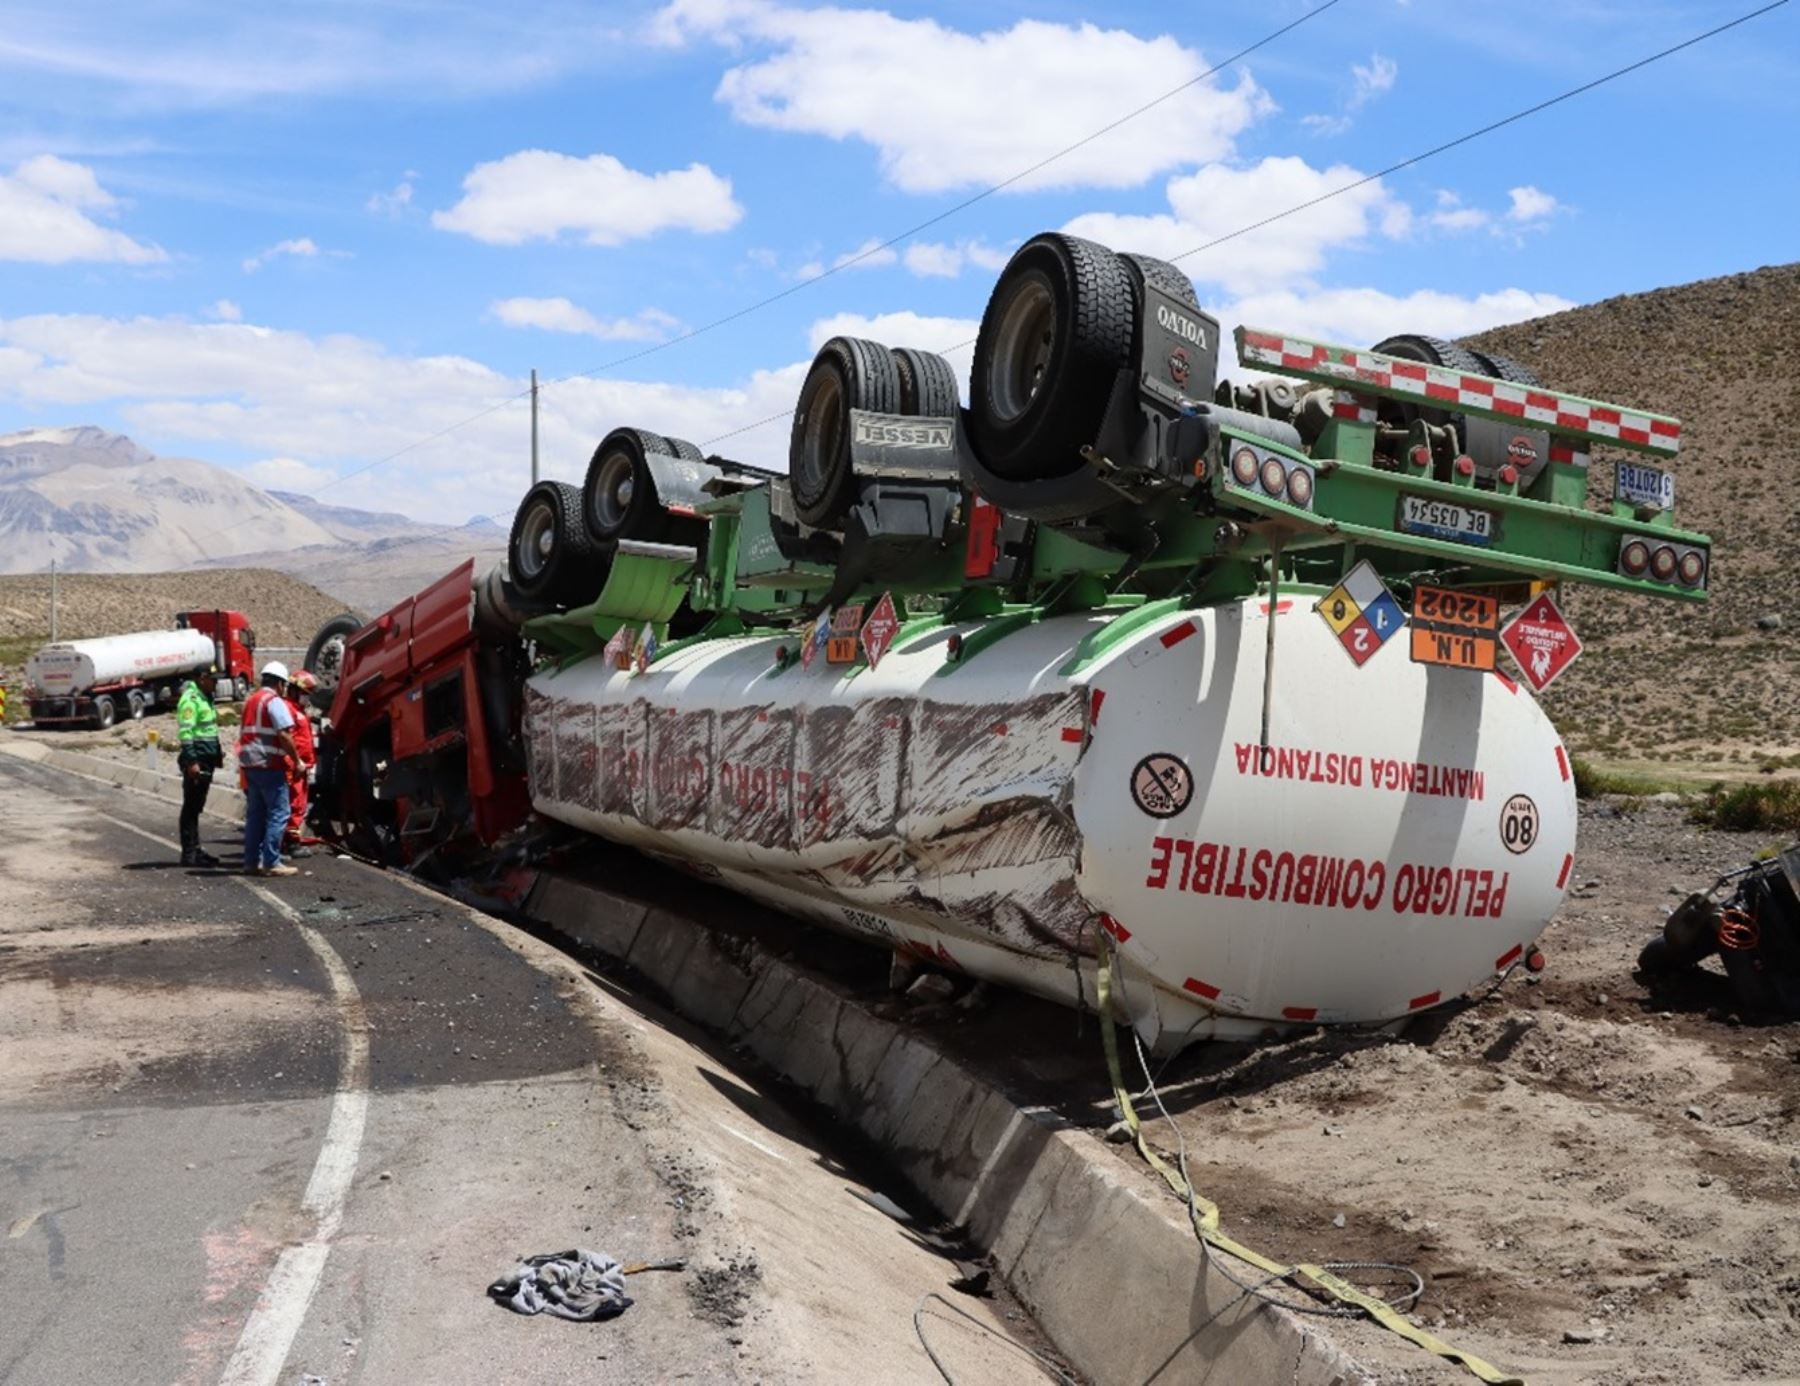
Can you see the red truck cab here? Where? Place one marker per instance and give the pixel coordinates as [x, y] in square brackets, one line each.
[234, 647]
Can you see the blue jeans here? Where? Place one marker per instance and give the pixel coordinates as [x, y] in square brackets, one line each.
[265, 816]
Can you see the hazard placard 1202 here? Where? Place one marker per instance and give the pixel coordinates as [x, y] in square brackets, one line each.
[841, 646]
[1458, 629]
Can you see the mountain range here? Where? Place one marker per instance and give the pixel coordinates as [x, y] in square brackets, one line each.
[95, 501]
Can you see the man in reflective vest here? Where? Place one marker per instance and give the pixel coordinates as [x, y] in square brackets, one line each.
[299, 692]
[265, 752]
[198, 724]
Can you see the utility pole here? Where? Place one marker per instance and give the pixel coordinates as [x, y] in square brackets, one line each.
[534, 455]
[53, 601]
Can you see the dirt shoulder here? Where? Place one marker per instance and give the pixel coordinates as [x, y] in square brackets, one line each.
[1597, 1181]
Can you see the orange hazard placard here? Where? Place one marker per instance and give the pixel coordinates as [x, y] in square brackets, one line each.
[1457, 629]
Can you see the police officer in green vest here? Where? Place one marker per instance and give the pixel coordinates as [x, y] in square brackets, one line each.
[201, 754]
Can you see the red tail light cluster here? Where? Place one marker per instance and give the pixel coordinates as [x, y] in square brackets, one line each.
[1280, 478]
[1653, 558]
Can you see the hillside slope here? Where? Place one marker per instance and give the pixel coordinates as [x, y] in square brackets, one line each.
[283, 610]
[1702, 683]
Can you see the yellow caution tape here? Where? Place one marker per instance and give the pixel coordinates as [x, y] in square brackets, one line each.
[1204, 1214]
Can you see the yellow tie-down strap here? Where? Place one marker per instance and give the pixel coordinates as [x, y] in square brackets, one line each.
[1205, 1216]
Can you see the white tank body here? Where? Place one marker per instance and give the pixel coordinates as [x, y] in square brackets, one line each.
[74, 666]
[1407, 834]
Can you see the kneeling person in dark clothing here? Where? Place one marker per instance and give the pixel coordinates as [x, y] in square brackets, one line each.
[201, 754]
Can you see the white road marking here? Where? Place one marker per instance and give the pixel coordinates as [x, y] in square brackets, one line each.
[268, 1334]
[750, 1140]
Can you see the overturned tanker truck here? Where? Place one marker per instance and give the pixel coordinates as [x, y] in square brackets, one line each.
[1207, 665]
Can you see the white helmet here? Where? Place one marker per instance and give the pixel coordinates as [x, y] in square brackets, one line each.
[275, 669]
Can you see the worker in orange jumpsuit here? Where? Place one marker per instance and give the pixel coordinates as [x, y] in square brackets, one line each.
[300, 690]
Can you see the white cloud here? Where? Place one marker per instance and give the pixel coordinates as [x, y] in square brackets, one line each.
[560, 315]
[300, 247]
[947, 109]
[225, 311]
[1367, 81]
[902, 329]
[99, 57]
[1531, 204]
[337, 402]
[1452, 215]
[1372, 79]
[1217, 200]
[44, 217]
[1362, 317]
[939, 260]
[537, 194]
[393, 204]
[1327, 124]
[288, 474]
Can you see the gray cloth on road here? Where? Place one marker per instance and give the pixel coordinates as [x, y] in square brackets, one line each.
[581, 1285]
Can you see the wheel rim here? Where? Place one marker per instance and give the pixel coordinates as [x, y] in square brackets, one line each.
[330, 662]
[821, 435]
[1022, 348]
[537, 539]
[613, 490]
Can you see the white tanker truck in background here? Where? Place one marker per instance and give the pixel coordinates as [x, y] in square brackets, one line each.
[1120, 647]
[95, 682]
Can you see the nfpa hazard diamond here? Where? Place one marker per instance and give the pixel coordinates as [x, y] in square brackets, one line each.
[1361, 612]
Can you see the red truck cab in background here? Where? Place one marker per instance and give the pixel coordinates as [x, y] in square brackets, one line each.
[234, 647]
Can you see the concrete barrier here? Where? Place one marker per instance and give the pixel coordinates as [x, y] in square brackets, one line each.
[224, 803]
[1110, 1269]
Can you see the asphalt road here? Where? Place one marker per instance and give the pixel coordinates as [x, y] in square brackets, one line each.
[289, 1130]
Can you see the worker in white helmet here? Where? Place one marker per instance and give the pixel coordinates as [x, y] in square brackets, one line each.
[267, 753]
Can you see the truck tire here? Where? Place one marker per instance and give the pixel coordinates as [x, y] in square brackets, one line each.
[1056, 332]
[1505, 368]
[550, 553]
[618, 499]
[927, 384]
[106, 712]
[848, 373]
[135, 704]
[324, 658]
[686, 451]
[1160, 274]
[1431, 351]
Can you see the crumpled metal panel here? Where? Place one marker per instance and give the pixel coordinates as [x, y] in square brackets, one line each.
[753, 796]
[575, 757]
[540, 739]
[619, 735]
[680, 745]
[848, 764]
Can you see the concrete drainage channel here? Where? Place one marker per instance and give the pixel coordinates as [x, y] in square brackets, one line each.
[1110, 1271]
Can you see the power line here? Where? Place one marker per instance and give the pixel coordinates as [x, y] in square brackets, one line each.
[419, 443]
[1410, 161]
[1244, 230]
[865, 253]
[1484, 130]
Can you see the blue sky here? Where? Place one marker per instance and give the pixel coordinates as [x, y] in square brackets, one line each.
[293, 240]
